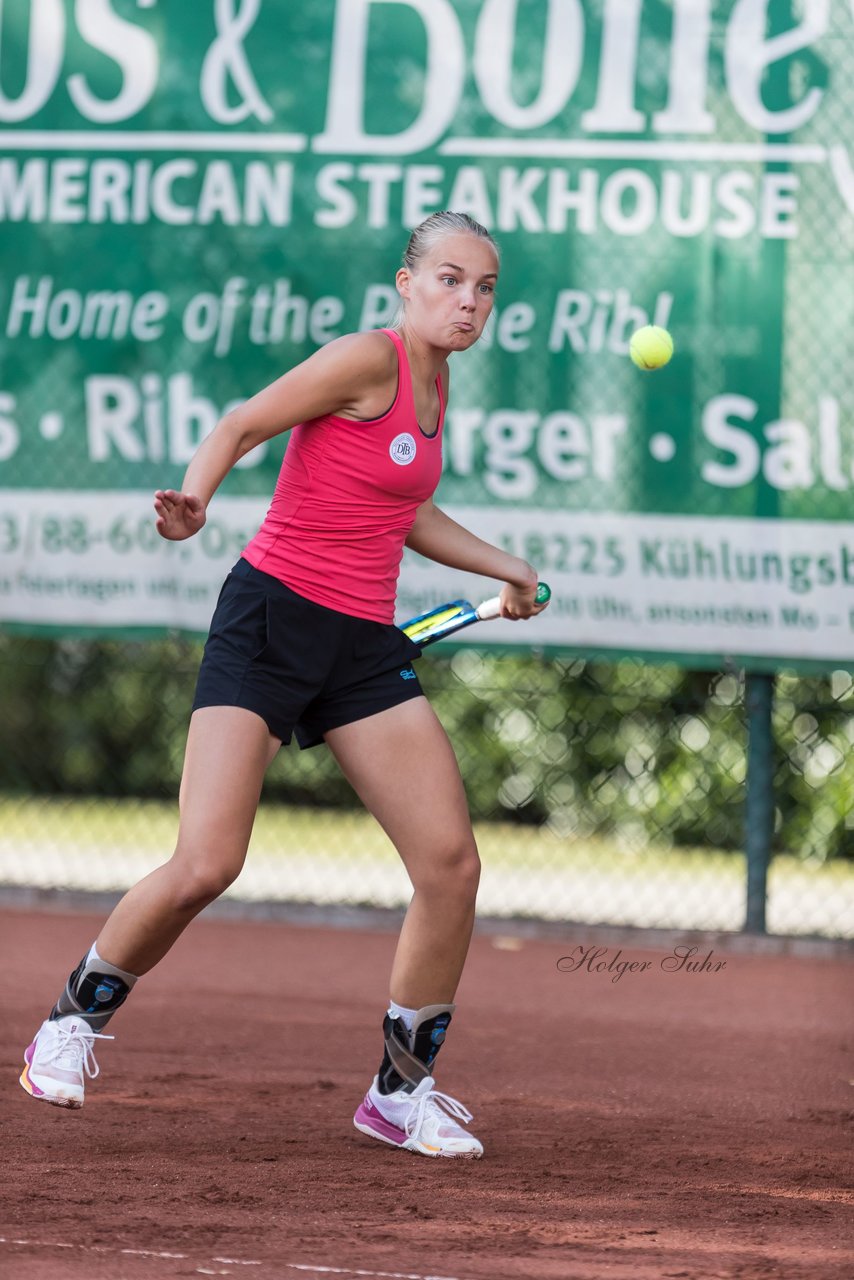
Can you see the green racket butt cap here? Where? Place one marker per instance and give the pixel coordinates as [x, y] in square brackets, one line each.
[544, 593]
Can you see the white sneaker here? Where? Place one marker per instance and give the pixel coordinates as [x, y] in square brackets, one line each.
[424, 1121]
[57, 1062]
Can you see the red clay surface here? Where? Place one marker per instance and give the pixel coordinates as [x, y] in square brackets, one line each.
[666, 1125]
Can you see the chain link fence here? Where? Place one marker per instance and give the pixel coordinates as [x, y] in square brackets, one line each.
[602, 792]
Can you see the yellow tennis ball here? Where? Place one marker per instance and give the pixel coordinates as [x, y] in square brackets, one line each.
[650, 347]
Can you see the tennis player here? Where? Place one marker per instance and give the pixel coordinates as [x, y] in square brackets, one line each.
[302, 642]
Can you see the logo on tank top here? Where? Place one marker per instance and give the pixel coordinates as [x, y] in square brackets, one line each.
[402, 449]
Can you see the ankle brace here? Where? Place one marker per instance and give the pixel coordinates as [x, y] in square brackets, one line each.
[409, 1055]
[94, 992]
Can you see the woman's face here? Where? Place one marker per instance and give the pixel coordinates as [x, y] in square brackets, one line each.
[450, 294]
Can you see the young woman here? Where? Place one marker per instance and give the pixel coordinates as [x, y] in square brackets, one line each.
[302, 641]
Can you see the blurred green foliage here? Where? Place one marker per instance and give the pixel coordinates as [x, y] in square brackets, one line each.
[642, 753]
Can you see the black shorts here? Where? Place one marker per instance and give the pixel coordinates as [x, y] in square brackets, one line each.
[300, 666]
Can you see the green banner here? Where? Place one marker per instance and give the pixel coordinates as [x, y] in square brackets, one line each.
[194, 197]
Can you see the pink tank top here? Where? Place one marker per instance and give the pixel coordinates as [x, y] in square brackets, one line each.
[345, 502]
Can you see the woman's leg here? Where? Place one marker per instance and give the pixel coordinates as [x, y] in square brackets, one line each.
[404, 770]
[228, 752]
[402, 766]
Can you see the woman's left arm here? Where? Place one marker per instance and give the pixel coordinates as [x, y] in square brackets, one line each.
[437, 537]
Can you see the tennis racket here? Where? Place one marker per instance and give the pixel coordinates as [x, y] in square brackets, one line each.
[443, 621]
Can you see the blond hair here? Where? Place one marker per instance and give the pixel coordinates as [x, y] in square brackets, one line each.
[436, 227]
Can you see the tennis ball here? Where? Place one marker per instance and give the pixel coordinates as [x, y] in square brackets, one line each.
[650, 347]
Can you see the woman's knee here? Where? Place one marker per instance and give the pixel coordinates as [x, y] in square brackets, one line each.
[198, 884]
[453, 867]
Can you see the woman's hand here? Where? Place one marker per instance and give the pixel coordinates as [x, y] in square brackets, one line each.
[520, 602]
[179, 515]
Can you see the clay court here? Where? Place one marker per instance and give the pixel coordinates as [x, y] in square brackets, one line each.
[667, 1124]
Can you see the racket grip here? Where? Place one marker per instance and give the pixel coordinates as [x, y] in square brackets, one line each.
[491, 608]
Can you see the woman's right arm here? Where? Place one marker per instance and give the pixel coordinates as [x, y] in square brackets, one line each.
[343, 377]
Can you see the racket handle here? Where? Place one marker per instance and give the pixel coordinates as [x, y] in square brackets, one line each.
[491, 608]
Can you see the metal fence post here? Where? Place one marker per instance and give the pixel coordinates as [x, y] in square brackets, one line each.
[759, 803]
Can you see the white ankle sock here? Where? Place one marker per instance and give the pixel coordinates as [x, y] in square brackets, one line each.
[93, 957]
[407, 1016]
